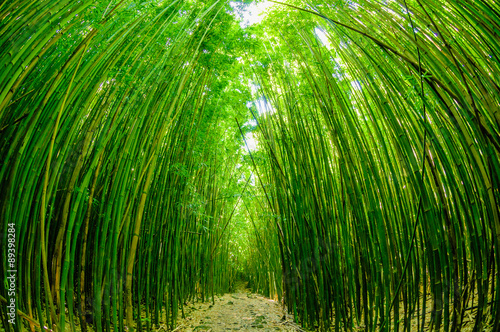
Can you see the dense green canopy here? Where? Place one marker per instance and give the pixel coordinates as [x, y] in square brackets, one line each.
[127, 171]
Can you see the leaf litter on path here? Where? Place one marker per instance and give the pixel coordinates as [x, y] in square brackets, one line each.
[240, 311]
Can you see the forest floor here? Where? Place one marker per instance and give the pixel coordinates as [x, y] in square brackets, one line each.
[239, 311]
[245, 311]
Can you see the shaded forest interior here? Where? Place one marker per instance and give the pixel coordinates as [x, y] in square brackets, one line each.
[342, 157]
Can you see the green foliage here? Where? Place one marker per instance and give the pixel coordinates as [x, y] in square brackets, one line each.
[383, 162]
[113, 166]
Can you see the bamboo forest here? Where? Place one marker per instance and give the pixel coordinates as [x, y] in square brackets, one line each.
[214, 165]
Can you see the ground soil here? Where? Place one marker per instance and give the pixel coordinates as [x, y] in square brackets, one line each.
[239, 311]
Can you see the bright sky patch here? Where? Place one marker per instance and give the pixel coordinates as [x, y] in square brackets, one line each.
[252, 13]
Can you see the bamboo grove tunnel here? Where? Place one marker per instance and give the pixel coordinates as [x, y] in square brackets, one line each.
[341, 157]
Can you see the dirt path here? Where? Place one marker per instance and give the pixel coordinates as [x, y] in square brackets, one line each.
[241, 311]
